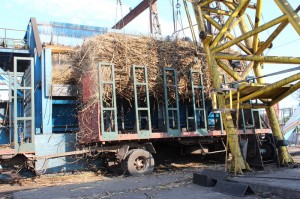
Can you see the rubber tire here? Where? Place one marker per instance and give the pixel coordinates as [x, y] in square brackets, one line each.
[131, 158]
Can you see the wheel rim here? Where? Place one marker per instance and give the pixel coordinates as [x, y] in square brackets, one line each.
[140, 163]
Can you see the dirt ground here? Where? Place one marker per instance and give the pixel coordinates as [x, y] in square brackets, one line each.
[173, 174]
[169, 166]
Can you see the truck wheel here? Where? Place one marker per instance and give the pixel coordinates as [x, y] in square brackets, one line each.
[139, 162]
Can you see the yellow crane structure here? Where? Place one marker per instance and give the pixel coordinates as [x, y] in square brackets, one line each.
[216, 46]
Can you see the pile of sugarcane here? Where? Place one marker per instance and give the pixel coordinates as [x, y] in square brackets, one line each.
[124, 51]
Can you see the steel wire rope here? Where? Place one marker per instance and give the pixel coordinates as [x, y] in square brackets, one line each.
[178, 5]
[287, 43]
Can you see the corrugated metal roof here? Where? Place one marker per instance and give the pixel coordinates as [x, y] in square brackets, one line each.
[67, 34]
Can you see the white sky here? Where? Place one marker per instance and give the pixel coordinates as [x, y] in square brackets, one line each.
[105, 13]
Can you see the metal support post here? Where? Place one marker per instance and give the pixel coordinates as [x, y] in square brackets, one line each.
[215, 75]
[284, 156]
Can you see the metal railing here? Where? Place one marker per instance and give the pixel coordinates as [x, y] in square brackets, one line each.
[12, 38]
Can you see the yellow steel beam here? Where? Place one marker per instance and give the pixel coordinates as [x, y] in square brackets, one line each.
[285, 94]
[217, 11]
[264, 46]
[293, 17]
[205, 3]
[237, 144]
[234, 24]
[232, 73]
[235, 13]
[244, 29]
[257, 23]
[247, 70]
[199, 17]
[190, 24]
[228, 35]
[244, 86]
[253, 106]
[257, 58]
[227, 119]
[232, 137]
[271, 87]
[284, 156]
[231, 3]
[250, 33]
[271, 38]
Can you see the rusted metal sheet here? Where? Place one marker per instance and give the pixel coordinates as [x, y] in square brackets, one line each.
[36, 36]
[89, 124]
[132, 14]
[88, 87]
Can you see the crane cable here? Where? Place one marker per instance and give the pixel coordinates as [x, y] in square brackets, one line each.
[119, 3]
[177, 19]
[173, 13]
[178, 5]
[268, 75]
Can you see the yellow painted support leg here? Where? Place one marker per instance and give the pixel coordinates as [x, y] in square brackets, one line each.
[238, 164]
[284, 156]
[232, 137]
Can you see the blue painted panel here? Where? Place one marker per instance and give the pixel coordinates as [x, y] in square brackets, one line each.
[38, 93]
[46, 73]
[4, 135]
[55, 144]
[64, 117]
[64, 102]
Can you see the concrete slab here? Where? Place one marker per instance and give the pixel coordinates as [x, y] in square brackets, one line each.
[284, 182]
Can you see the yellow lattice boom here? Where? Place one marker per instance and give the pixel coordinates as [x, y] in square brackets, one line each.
[234, 28]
